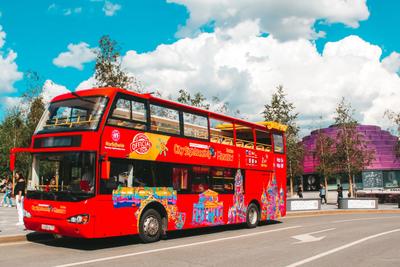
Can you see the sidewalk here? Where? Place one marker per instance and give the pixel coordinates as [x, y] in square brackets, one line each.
[8, 219]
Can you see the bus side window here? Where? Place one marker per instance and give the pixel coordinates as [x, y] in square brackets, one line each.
[278, 143]
[128, 113]
[120, 175]
[263, 140]
[180, 178]
[200, 179]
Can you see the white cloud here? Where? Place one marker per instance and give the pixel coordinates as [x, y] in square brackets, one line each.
[51, 90]
[243, 69]
[284, 19]
[87, 84]
[392, 62]
[110, 9]
[10, 102]
[75, 57]
[8, 68]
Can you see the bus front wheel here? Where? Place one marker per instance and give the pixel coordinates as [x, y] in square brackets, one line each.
[252, 217]
[150, 226]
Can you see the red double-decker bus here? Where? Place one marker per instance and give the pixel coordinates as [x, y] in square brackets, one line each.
[109, 162]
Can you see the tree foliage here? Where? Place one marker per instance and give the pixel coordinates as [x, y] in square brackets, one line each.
[200, 101]
[325, 156]
[351, 150]
[108, 70]
[283, 111]
[20, 122]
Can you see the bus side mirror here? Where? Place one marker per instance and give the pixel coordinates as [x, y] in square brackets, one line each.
[105, 169]
[12, 161]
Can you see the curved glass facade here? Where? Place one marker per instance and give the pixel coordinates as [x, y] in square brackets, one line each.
[383, 171]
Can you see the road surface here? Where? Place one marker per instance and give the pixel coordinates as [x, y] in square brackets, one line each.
[328, 240]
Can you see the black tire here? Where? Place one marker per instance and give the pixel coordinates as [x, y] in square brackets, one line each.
[252, 216]
[150, 226]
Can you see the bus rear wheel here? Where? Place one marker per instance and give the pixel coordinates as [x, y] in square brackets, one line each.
[150, 226]
[252, 217]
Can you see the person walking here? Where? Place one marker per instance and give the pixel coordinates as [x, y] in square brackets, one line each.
[322, 193]
[300, 191]
[19, 193]
[339, 193]
[7, 194]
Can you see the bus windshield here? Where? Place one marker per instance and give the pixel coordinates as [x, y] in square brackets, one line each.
[63, 176]
[72, 114]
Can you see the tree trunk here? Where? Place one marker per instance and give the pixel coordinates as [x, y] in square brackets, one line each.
[291, 186]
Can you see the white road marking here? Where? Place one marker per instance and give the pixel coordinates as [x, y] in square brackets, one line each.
[305, 238]
[175, 247]
[326, 253]
[370, 218]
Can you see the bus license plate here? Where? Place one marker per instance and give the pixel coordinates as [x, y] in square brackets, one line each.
[48, 227]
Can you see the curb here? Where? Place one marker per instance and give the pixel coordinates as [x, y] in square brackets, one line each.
[336, 212]
[12, 238]
[33, 236]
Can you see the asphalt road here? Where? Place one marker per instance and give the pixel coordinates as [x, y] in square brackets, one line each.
[329, 240]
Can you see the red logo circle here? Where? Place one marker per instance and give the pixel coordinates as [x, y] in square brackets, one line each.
[115, 135]
[140, 144]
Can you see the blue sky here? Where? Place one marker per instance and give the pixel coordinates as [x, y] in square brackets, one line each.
[185, 44]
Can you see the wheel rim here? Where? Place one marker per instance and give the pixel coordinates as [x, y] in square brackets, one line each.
[151, 226]
[253, 216]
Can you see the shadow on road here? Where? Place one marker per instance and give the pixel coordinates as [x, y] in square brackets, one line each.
[112, 242]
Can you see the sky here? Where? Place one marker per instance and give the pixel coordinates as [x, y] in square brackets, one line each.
[240, 51]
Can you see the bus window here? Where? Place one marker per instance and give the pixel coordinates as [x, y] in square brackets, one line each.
[244, 136]
[263, 140]
[195, 126]
[164, 119]
[129, 113]
[200, 179]
[222, 180]
[221, 132]
[278, 143]
[180, 177]
[121, 174]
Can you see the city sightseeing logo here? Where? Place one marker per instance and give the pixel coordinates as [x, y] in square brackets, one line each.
[140, 144]
[115, 135]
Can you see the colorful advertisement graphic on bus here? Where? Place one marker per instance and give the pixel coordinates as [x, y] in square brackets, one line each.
[272, 201]
[237, 213]
[208, 211]
[140, 196]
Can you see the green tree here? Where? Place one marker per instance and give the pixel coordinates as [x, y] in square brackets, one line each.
[352, 153]
[19, 123]
[283, 111]
[198, 100]
[325, 154]
[108, 70]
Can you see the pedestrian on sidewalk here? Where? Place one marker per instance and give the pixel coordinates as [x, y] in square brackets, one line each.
[19, 193]
[322, 193]
[300, 191]
[7, 194]
[339, 193]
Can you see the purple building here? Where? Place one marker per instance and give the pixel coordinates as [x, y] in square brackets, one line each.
[382, 173]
